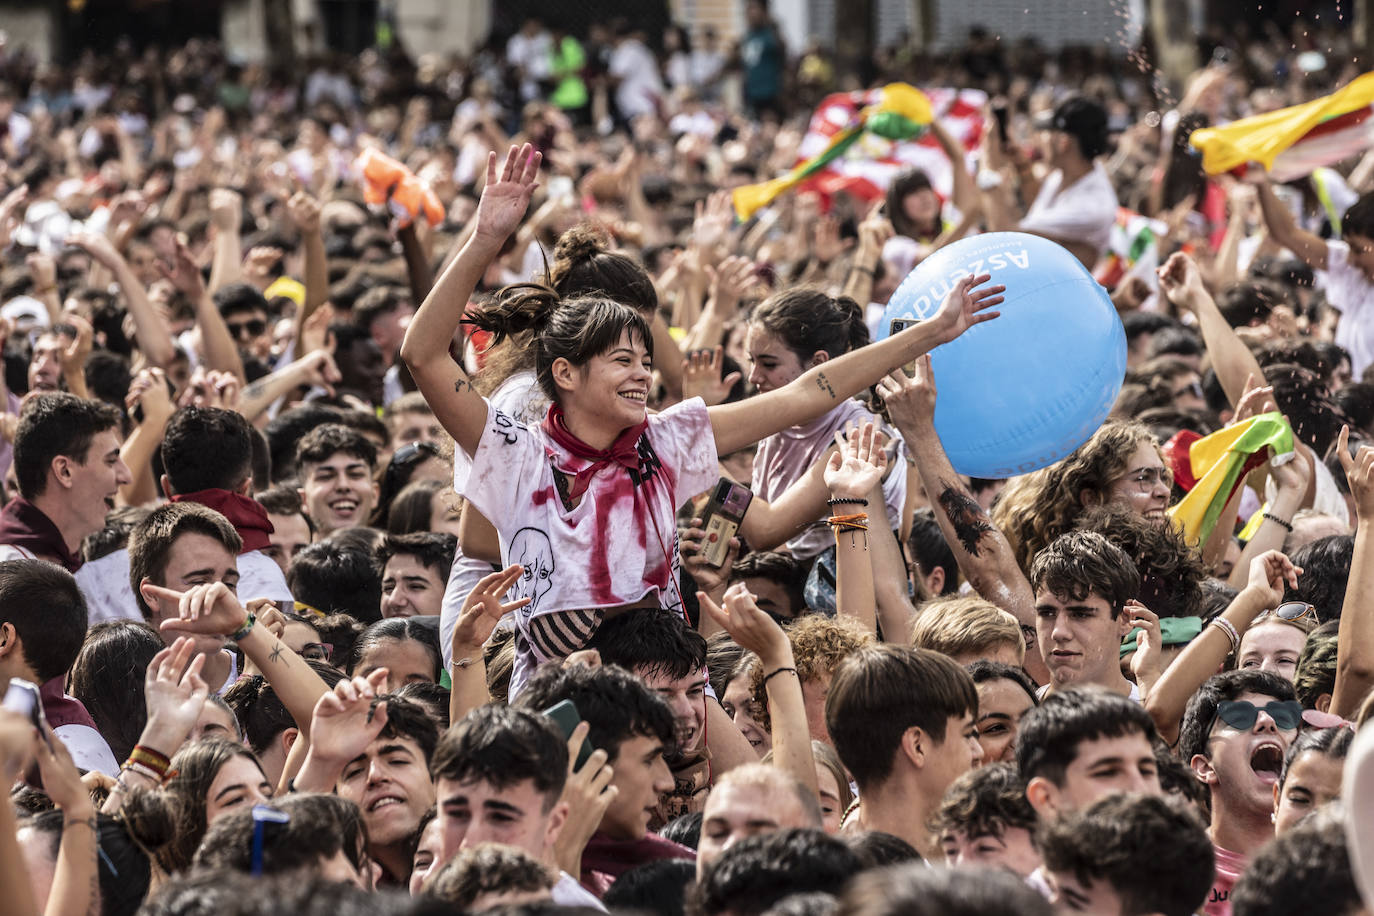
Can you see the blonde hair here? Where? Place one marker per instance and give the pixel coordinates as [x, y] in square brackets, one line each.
[819, 644]
[966, 626]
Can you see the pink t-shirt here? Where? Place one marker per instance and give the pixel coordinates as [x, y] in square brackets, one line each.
[619, 544]
[1230, 866]
[782, 459]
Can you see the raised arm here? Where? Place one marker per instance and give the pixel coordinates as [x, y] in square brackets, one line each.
[481, 612]
[446, 387]
[75, 882]
[226, 215]
[150, 330]
[304, 211]
[213, 609]
[1284, 228]
[220, 349]
[1231, 358]
[821, 388]
[174, 694]
[853, 473]
[984, 555]
[755, 631]
[1204, 655]
[1355, 639]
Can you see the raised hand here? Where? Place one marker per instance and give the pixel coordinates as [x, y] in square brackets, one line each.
[43, 271]
[1269, 573]
[208, 609]
[1181, 281]
[101, 249]
[184, 273]
[966, 305]
[315, 333]
[1148, 662]
[507, 193]
[714, 217]
[175, 694]
[701, 376]
[857, 464]
[483, 610]
[749, 627]
[226, 210]
[1256, 400]
[1359, 473]
[74, 354]
[588, 793]
[730, 281]
[61, 779]
[910, 399]
[304, 211]
[826, 242]
[345, 720]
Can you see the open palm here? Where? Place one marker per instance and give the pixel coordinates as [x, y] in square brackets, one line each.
[966, 305]
[507, 193]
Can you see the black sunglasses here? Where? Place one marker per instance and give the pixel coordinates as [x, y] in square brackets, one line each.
[253, 327]
[1242, 714]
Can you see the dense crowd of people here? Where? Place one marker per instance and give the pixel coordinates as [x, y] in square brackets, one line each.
[424, 494]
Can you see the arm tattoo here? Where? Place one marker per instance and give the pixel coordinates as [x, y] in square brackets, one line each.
[254, 390]
[823, 384]
[462, 384]
[276, 652]
[967, 518]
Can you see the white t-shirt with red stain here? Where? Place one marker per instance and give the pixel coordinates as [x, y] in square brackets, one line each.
[615, 547]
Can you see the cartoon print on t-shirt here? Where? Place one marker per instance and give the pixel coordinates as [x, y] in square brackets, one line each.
[532, 549]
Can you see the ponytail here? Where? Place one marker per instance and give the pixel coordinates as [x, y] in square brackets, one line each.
[519, 309]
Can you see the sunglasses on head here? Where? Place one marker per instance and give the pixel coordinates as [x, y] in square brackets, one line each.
[1295, 610]
[1242, 714]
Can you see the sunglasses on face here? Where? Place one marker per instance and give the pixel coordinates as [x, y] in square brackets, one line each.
[1242, 714]
[1148, 478]
[317, 651]
[252, 328]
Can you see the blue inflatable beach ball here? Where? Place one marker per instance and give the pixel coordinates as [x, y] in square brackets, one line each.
[1021, 392]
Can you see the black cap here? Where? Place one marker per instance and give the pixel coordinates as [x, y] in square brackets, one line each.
[1081, 118]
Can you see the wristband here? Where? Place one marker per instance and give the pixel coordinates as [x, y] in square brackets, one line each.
[133, 766]
[249, 622]
[775, 672]
[1287, 526]
[1228, 628]
[861, 269]
[150, 757]
[846, 501]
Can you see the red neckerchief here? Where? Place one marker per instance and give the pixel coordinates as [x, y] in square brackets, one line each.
[622, 451]
[24, 525]
[247, 516]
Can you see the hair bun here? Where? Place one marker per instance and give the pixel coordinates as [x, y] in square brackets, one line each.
[581, 243]
[150, 817]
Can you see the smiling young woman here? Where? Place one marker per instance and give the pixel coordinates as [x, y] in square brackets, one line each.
[585, 501]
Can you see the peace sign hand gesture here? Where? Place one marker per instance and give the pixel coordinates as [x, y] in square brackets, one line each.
[507, 194]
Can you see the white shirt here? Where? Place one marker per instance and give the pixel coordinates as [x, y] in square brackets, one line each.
[567, 892]
[110, 595]
[640, 86]
[518, 397]
[1083, 212]
[1350, 293]
[619, 544]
